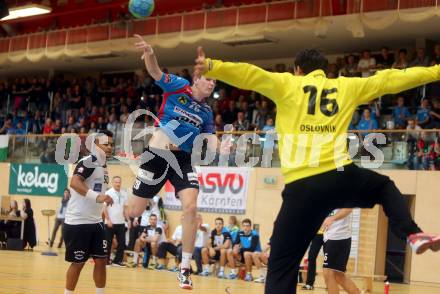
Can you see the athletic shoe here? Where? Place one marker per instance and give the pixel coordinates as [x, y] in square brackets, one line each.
[174, 269]
[160, 267]
[421, 242]
[307, 287]
[248, 278]
[232, 276]
[118, 264]
[131, 265]
[435, 246]
[205, 273]
[221, 275]
[260, 280]
[184, 277]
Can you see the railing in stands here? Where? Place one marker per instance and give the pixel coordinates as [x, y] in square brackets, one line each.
[400, 148]
[207, 19]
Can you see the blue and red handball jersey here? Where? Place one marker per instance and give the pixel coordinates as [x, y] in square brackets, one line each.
[180, 116]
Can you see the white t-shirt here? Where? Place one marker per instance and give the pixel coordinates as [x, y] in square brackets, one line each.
[145, 218]
[82, 210]
[340, 229]
[366, 64]
[154, 204]
[202, 237]
[116, 211]
[177, 235]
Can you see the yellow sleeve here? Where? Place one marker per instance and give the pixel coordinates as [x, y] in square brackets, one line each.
[391, 81]
[250, 77]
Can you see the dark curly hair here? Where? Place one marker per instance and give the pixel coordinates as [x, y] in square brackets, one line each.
[309, 60]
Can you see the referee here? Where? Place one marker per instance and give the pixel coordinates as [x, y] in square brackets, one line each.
[83, 228]
[313, 115]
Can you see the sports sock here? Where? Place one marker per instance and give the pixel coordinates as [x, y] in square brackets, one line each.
[186, 260]
[67, 291]
[206, 267]
[233, 271]
[135, 257]
[222, 268]
[100, 290]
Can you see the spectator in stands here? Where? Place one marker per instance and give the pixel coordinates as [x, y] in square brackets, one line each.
[242, 124]
[202, 238]
[400, 114]
[424, 152]
[101, 125]
[220, 241]
[422, 115]
[36, 124]
[245, 245]
[70, 123]
[149, 241]
[20, 131]
[413, 134]
[124, 114]
[223, 99]
[115, 219]
[244, 106]
[367, 122]
[47, 128]
[233, 227]
[29, 235]
[435, 114]
[374, 107]
[436, 152]
[421, 59]
[260, 259]
[402, 60]
[7, 127]
[58, 107]
[112, 124]
[366, 64]
[81, 124]
[173, 246]
[230, 114]
[57, 126]
[262, 114]
[385, 59]
[219, 125]
[94, 115]
[93, 128]
[59, 220]
[82, 115]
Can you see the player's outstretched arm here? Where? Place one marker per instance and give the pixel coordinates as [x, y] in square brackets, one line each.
[149, 58]
[243, 75]
[391, 81]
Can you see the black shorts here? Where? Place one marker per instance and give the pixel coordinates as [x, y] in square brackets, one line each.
[336, 254]
[84, 241]
[153, 174]
[216, 256]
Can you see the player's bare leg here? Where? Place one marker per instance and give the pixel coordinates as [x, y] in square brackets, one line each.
[136, 205]
[188, 197]
[100, 273]
[72, 275]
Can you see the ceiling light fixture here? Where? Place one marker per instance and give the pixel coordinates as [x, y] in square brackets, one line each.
[26, 11]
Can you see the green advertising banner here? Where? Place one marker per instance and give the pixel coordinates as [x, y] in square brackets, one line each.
[37, 179]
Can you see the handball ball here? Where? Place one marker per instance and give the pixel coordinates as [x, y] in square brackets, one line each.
[141, 8]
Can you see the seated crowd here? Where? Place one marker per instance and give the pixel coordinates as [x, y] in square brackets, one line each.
[82, 105]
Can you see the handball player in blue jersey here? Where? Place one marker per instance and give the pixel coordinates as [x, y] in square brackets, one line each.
[183, 115]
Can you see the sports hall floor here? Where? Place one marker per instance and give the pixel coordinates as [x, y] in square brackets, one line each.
[32, 273]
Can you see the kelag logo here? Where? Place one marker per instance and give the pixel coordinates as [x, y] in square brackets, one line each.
[37, 179]
[217, 182]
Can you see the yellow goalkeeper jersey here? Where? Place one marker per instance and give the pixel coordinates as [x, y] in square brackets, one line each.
[313, 112]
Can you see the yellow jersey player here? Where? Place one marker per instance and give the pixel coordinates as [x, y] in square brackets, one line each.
[313, 115]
